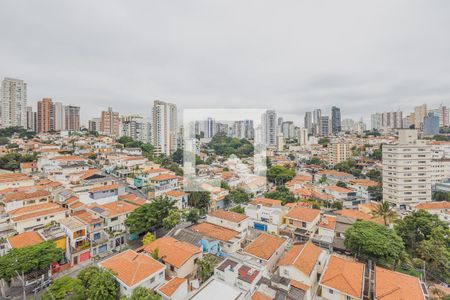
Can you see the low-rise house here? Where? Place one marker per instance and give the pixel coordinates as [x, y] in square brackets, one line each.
[102, 194]
[223, 239]
[231, 220]
[25, 239]
[114, 215]
[78, 249]
[32, 195]
[361, 187]
[213, 287]
[440, 209]
[391, 285]
[302, 222]
[359, 215]
[161, 184]
[35, 216]
[28, 167]
[132, 270]
[266, 214]
[303, 263]
[239, 273]
[326, 231]
[180, 198]
[175, 289]
[342, 279]
[180, 258]
[267, 249]
[96, 234]
[15, 180]
[333, 176]
[217, 195]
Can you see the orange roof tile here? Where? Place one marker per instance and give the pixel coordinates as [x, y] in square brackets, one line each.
[434, 205]
[260, 296]
[303, 214]
[363, 182]
[32, 208]
[215, 231]
[359, 215]
[133, 199]
[337, 189]
[10, 177]
[86, 217]
[30, 193]
[391, 285]
[172, 285]
[104, 188]
[36, 214]
[175, 193]
[303, 257]
[25, 239]
[131, 267]
[172, 251]
[228, 215]
[334, 173]
[344, 275]
[328, 222]
[264, 246]
[163, 177]
[115, 208]
[266, 202]
[300, 285]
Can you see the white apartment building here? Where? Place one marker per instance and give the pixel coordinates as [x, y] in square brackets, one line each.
[440, 170]
[13, 103]
[302, 136]
[59, 116]
[269, 126]
[407, 171]
[164, 126]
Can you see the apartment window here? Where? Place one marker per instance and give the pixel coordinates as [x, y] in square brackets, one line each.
[330, 291]
[114, 219]
[152, 279]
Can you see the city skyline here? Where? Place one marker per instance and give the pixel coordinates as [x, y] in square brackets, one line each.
[150, 56]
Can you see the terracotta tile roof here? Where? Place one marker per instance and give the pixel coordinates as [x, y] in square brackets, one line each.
[303, 257]
[334, 173]
[260, 296]
[344, 275]
[434, 205]
[298, 204]
[302, 192]
[159, 170]
[163, 177]
[86, 217]
[328, 222]
[30, 193]
[68, 158]
[228, 215]
[303, 214]
[113, 209]
[25, 239]
[32, 208]
[300, 285]
[264, 246]
[363, 182]
[10, 177]
[171, 286]
[337, 189]
[359, 215]
[266, 202]
[215, 231]
[172, 251]
[72, 200]
[37, 214]
[104, 188]
[391, 285]
[131, 267]
[175, 193]
[28, 165]
[133, 199]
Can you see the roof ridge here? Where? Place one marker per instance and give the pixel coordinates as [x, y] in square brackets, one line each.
[345, 279]
[388, 292]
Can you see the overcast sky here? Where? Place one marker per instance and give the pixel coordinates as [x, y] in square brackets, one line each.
[291, 56]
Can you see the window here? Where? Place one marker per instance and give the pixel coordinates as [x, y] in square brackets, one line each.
[114, 219]
[330, 291]
[152, 279]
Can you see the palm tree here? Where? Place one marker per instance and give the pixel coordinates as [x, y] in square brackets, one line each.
[385, 211]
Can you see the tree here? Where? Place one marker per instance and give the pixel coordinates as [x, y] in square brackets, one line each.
[193, 215]
[30, 259]
[417, 227]
[177, 156]
[341, 184]
[281, 193]
[99, 283]
[373, 241]
[374, 175]
[336, 205]
[224, 145]
[324, 141]
[436, 252]
[238, 209]
[142, 293]
[385, 211]
[280, 175]
[199, 200]
[148, 238]
[172, 219]
[441, 196]
[65, 288]
[3, 140]
[238, 196]
[206, 267]
[149, 215]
